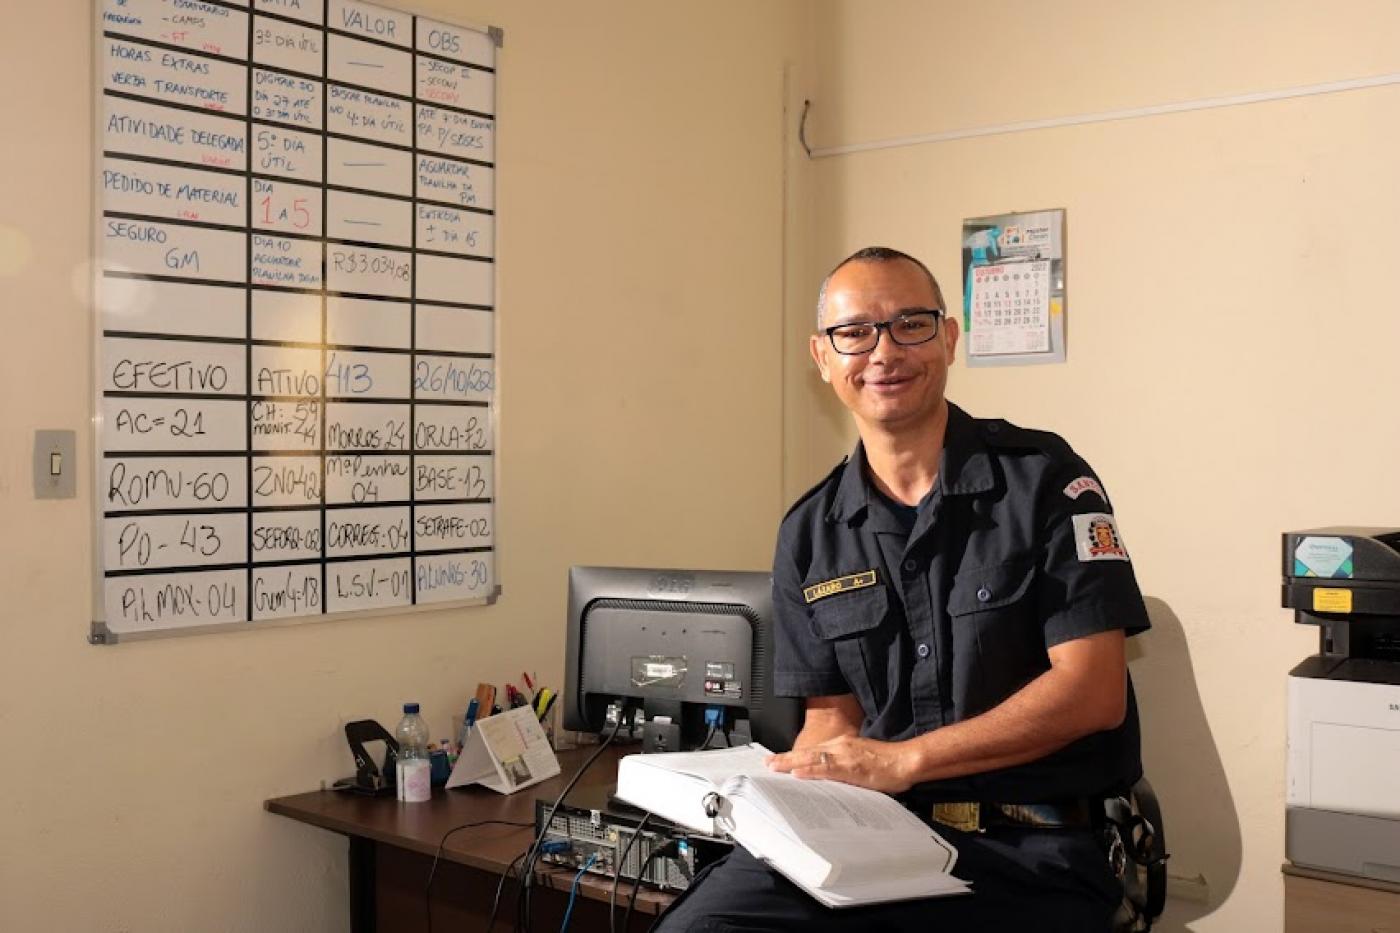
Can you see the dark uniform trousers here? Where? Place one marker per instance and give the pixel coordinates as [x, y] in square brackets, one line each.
[1046, 881]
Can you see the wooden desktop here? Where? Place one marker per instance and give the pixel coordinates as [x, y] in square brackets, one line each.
[392, 846]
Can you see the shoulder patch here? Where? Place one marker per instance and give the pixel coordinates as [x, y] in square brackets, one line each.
[823, 483]
[1083, 484]
[1096, 537]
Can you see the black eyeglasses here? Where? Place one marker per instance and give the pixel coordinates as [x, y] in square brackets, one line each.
[907, 329]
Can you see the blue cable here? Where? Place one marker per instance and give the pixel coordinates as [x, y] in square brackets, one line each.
[573, 890]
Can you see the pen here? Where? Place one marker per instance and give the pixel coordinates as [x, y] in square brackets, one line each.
[544, 703]
[529, 684]
[468, 720]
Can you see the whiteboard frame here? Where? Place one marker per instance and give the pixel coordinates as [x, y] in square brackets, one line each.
[99, 633]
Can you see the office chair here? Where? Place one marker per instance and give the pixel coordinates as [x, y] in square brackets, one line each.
[1138, 853]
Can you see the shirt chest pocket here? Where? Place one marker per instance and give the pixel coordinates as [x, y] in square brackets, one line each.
[998, 645]
[853, 624]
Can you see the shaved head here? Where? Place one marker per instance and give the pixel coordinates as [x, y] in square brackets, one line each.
[874, 254]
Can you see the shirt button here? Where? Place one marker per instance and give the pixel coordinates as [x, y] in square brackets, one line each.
[983, 595]
[923, 651]
[910, 566]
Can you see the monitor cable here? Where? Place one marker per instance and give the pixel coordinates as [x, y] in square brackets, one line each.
[618, 869]
[527, 871]
[500, 886]
[670, 849]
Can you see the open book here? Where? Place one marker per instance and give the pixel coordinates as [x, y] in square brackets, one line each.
[842, 844]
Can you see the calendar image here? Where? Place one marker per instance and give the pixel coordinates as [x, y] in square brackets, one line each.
[1010, 308]
[1014, 289]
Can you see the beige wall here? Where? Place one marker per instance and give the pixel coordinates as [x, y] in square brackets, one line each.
[1232, 330]
[641, 163]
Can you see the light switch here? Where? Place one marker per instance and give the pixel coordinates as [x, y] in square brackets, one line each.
[54, 464]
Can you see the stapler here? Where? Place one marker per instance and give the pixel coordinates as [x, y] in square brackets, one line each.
[370, 780]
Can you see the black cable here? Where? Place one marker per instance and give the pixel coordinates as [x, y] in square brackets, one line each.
[442, 843]
[527, 873]
[617, 872]
[671, 848]
[500, 886]
[802, 128]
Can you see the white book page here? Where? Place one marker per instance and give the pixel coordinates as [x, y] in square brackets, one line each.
[812, 873]
[674, 785]
[862, 834]
[672, 795]
[714, 766]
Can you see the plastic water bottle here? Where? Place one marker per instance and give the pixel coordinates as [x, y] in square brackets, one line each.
[413, 773]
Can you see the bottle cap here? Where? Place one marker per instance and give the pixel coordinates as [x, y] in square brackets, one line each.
[410, 708]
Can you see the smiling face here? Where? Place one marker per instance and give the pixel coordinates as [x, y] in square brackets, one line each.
[893, 388]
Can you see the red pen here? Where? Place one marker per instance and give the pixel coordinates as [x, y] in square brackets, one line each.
[529, 683]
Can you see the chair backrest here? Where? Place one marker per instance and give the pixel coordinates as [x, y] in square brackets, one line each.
[1138, 849]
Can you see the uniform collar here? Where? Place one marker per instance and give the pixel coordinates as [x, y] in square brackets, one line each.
[967, 464]
[964, 468]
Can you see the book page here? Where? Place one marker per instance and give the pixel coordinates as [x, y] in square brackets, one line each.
[652, 783]
[862, 834]
[714, 766]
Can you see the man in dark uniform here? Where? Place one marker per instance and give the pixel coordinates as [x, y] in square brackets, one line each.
[952, 603]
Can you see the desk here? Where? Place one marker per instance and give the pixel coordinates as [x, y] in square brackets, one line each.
[392, 846]
[1317, 901]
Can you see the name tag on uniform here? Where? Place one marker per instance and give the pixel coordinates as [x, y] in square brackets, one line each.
[852, 581]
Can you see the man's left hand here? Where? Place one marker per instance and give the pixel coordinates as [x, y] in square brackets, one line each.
[881, 766]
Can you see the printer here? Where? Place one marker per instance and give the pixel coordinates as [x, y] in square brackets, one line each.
[1343, 801]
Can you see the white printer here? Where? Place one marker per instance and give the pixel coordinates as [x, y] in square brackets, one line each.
[1344, 702]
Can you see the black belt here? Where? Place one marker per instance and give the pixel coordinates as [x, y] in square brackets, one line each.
[979, 816]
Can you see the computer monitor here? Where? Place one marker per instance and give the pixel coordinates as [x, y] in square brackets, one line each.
[676, 643]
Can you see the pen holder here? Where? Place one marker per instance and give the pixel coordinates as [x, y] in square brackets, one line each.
[559, 739]
[441, 767]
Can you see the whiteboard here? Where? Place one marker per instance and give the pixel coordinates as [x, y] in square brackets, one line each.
[295, 313]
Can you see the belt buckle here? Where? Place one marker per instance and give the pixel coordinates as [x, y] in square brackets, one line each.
[965, 817]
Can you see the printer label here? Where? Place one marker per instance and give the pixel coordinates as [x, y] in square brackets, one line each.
[1331, 600]
[1323, 557]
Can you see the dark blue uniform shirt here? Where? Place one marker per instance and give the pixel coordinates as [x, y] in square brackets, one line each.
[1013, 551]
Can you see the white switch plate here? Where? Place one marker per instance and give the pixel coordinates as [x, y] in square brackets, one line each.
[47, 444]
